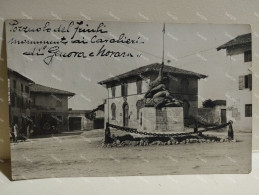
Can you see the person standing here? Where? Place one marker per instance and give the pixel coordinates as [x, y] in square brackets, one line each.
[16, 132]
[12, 132]
[28, 130]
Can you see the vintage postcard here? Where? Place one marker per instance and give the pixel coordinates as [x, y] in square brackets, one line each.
[92, 98]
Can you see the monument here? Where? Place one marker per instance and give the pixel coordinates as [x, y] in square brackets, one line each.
[161, 112]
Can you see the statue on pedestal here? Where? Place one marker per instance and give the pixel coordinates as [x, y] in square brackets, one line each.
[158, 96]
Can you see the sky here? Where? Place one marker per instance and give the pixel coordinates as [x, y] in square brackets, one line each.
[187, 46]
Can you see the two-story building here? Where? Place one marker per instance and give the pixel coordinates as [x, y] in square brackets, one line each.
[239, 97]
[18, 97]
[125, 92]
[49, 105]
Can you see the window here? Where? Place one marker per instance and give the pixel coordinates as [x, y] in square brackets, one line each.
[245, 81]
[13, 99]
[248, 56]
[14, 84]
[124, 89]
[248, 110]
[139, 105]
[22, 87]
[113, 91]
[18, 104]
[27, 90]
[184, 85]
[22, 102]
[34, 100]
[139, 87]
[113, 108]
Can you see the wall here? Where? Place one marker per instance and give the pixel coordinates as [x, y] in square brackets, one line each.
[170, 120]
[99, 114]
[131, 100]
[187, 95]
[132, 88]
[211, 115]
[86, 124]
[47, 103]
[236, 99]
[17, 111]
[236, 110]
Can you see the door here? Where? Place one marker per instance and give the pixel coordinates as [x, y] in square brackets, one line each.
[125, 115]
[75, 123]
[223, 116]
[186, 107]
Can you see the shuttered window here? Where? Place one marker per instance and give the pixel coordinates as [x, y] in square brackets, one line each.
[248, 56]
[139, 87]
[27, 90]
[113, 91]
[124, 89]
[250, 81]
[241, 82]
[248, 110]
[245, 82]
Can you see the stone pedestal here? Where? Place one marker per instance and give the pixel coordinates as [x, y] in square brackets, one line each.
[167, 119]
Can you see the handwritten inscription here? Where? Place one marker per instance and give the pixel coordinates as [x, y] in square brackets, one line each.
[73, 33]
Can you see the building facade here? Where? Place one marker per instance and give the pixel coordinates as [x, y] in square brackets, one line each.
[239, 98]
[19, 98]
[215, 114]
[126, 91]
[78, 121]
[49, 107]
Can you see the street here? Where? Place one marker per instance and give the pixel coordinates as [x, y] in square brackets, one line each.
[80, 153]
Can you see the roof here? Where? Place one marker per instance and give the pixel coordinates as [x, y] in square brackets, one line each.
[219, 102]
[19, 75]
[152, 68]
[36, 88]
[238, 41]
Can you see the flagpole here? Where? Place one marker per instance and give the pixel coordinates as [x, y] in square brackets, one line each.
[163, 56]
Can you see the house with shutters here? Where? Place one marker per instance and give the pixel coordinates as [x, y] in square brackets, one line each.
[239, 98]
[126, 91]
[18, 98]
[38, 104]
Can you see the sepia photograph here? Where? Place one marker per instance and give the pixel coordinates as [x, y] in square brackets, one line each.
[104, 99]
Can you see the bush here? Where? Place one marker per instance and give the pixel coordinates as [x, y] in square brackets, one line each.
[208, 103]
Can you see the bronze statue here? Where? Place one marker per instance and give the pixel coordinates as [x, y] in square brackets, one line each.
[158, 96]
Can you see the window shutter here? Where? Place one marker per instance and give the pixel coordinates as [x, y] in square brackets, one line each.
[241, 82]
[250, 81]
[126, 89]
[122, 89]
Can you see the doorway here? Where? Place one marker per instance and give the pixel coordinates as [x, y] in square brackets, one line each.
[223, 116]
[125, 108]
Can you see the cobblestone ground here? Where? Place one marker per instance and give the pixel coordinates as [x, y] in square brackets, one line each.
[81, 154]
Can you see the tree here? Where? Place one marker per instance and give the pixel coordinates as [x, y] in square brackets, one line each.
[208, 103]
